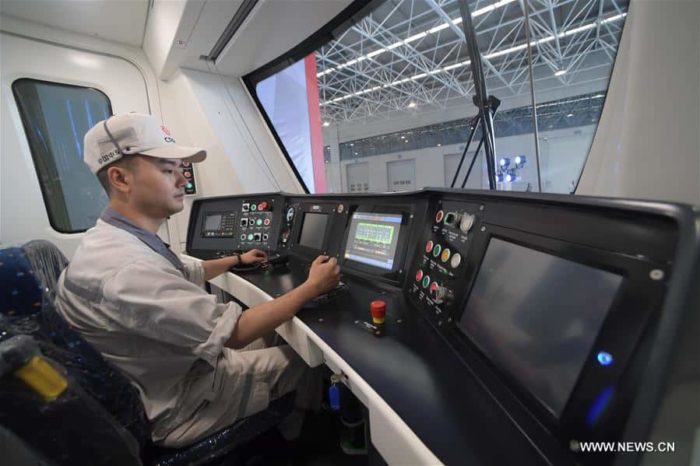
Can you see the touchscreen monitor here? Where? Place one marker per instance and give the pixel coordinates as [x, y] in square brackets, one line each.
[373, 238]
[536, 316]
[313, 230]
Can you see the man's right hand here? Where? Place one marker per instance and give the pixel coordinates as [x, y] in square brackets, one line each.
[324, 274]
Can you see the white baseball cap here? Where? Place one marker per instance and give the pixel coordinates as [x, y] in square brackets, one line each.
[133, 133]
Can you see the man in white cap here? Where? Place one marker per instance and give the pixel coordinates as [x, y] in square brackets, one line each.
[145, 310]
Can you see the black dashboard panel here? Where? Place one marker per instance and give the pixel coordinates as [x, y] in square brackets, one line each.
[224, 225]
[542, 308]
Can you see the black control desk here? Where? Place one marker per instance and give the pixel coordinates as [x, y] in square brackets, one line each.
[403, 366]
[517, 327]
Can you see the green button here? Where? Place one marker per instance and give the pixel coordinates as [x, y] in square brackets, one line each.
[250, 237]
[426, 281]
[258, 222]
[437, 250]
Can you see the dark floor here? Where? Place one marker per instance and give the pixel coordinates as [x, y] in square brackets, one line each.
[318, 445]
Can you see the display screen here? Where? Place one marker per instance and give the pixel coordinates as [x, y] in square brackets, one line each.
[313, 229]
[373, 238]
[219, 225]
[212, 222]
[537, 316]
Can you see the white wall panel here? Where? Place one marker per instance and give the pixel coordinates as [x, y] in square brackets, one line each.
[23, 215]
[215, 112]
[647, 144]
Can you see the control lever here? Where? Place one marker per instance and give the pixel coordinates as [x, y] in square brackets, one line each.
[277, 259]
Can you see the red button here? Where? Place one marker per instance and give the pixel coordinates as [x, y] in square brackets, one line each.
[439, 216]
[419, 275]
[378, 310]
[429, 246]
[266, 221]
[262, 206]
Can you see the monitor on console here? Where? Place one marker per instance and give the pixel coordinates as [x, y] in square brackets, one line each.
[313, 230]
[536, 316]
[373, 239]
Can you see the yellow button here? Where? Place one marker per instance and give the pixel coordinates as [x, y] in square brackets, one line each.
[445, 255]
[42, 378]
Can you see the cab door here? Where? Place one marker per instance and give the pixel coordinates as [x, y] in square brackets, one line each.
[51, 95]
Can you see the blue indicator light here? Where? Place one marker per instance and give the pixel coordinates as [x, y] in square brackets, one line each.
[605, 358]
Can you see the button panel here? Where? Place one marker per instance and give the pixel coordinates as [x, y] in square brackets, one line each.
[257, 218]
[441, 264]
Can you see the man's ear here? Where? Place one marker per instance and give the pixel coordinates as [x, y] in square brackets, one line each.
[120, 179]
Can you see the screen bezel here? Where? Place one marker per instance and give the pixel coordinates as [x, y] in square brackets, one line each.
[397, 269]
[301, 209]
[222, 213]
[627, 313]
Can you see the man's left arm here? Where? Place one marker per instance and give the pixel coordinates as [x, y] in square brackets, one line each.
[215, 267]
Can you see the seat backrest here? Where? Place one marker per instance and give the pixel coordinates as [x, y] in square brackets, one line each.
[20, 293]
[47, 262]
[26, 307]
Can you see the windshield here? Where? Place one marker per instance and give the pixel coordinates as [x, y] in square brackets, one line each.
[388, 104]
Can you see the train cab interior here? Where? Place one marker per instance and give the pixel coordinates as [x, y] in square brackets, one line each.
[510, 188]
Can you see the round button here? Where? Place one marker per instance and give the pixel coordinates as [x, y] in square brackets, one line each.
[426, 281]
[466, 223]
[253, 207]
[439, 216]
[445, 255]
[378, 310]
[243, 237]
[258, 222]
[437, 250]
[456, 260]
[266, 221]
[250, 237]
[429, 246]
[187, 174]
[434, 287]
[262, 205]
[419, 275]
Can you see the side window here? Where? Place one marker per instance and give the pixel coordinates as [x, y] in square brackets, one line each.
[55, 118]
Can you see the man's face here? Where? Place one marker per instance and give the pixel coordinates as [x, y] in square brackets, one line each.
[158, 186]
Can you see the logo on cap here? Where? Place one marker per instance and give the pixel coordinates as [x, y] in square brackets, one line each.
[165, 130]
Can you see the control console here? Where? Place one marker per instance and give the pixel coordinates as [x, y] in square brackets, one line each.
[225, 225]
[553, 303]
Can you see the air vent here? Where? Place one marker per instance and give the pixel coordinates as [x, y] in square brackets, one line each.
[233, 26]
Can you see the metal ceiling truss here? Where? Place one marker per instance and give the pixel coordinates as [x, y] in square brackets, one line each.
[411, 53]
[560, 114]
